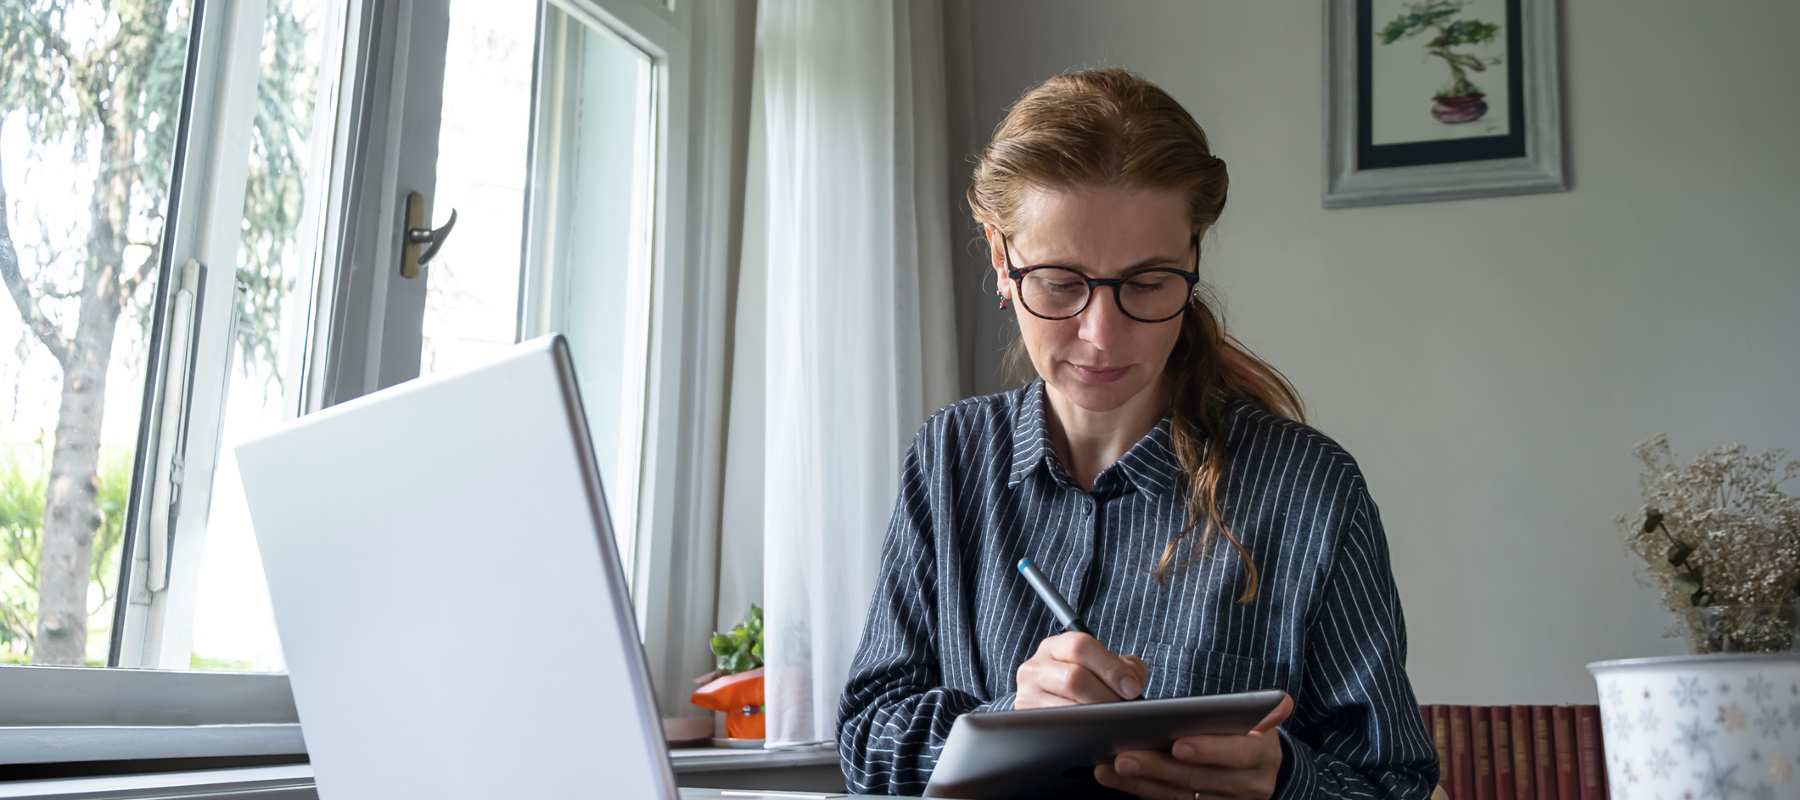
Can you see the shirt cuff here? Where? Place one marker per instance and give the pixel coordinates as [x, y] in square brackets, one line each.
[1299, 776]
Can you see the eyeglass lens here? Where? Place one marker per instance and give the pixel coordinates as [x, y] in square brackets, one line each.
[1149, 295]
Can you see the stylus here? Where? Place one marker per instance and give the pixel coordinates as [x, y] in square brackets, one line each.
[1048, 594]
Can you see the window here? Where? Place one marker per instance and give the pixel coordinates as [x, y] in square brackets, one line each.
[233, 627]
[562, 241]
[603, 256]
[593, 238]
[160, 315]
[87, 178]
[472, 295]
[235, 263]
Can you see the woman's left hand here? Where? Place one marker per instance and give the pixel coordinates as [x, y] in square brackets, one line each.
[1204, 767]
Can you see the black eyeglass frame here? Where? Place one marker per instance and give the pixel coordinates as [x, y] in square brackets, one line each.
[1093, 284]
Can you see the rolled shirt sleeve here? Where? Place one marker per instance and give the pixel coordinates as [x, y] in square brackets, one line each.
[895, 713]
[1359, 734]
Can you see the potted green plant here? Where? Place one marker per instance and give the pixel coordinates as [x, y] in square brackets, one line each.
[1721, 540]
[1462, 100]
[741, 648]
[735, 688]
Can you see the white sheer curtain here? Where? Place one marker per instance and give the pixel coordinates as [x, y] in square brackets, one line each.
[850, 254]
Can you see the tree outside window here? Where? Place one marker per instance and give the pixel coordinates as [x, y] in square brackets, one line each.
[90, 98]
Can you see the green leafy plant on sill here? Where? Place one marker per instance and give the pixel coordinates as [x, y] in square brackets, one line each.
[741, 649]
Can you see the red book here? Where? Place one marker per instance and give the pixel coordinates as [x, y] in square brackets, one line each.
[1462, 756]
[1524, 779]
[1591, 765]
[1440, 737]
[1481, 730]
[1503, 757]
[1543, 753]
[1562, 739]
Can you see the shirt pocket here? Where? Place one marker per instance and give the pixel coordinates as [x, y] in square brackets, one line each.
[1186, 672]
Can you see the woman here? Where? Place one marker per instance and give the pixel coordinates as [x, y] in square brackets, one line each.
[1157, 472]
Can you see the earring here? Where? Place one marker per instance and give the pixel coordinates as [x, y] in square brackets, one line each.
[1002, 296]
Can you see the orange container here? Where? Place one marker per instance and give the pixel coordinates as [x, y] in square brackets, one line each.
[740, 698]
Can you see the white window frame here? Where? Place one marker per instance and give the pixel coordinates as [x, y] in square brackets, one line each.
[547, 290]
[683, 378]
[213, 163]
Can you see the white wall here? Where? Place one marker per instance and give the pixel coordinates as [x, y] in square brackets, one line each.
[1490, 362]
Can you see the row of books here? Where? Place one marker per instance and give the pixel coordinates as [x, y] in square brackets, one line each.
[1518, 752]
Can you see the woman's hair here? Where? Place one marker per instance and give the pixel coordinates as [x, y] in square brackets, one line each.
[1109, 127]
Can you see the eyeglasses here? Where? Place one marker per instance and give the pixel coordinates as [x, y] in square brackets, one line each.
[1151, 294]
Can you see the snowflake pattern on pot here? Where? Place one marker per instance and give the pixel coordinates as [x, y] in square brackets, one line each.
[1688, 693]
[1692, 729]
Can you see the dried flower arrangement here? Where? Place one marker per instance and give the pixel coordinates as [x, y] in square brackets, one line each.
[1722, 541]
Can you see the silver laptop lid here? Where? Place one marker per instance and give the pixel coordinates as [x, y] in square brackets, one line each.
[448, 593]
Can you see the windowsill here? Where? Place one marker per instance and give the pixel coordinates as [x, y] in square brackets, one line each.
[51, 744]
[693, 760]
[283, 781]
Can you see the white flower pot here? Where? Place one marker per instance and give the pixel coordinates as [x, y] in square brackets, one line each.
[1700, 727]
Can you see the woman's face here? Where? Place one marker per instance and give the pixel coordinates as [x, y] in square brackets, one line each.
[1100, 358]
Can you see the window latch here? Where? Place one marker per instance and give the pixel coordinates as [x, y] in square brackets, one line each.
[422, 242]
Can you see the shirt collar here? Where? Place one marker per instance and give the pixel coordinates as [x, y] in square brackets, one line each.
[1030, 434]
[1150, 464]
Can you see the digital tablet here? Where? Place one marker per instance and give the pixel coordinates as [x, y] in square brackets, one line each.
[1042, 752]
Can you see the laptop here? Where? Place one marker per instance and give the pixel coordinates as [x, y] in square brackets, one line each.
[449, 596]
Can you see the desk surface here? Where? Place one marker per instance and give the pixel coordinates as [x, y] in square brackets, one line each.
[728, 794]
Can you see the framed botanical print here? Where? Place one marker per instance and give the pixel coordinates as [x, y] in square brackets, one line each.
[1441, 100]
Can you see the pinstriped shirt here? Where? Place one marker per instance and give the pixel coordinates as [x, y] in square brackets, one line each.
[951, 619]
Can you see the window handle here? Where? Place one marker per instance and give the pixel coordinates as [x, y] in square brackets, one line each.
[422, 242]
[171, 439]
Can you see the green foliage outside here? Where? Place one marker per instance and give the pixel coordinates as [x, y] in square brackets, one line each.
[22, 485]
[741, 650]
[200, 663]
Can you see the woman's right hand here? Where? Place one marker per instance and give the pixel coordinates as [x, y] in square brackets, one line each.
[1074, 669]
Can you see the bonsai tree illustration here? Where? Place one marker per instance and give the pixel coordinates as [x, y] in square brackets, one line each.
[1461, 100]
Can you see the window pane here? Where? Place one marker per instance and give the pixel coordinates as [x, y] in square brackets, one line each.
[84, 188]
[592, 224]
[472, 286]
[602, 256]
[233, 625]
